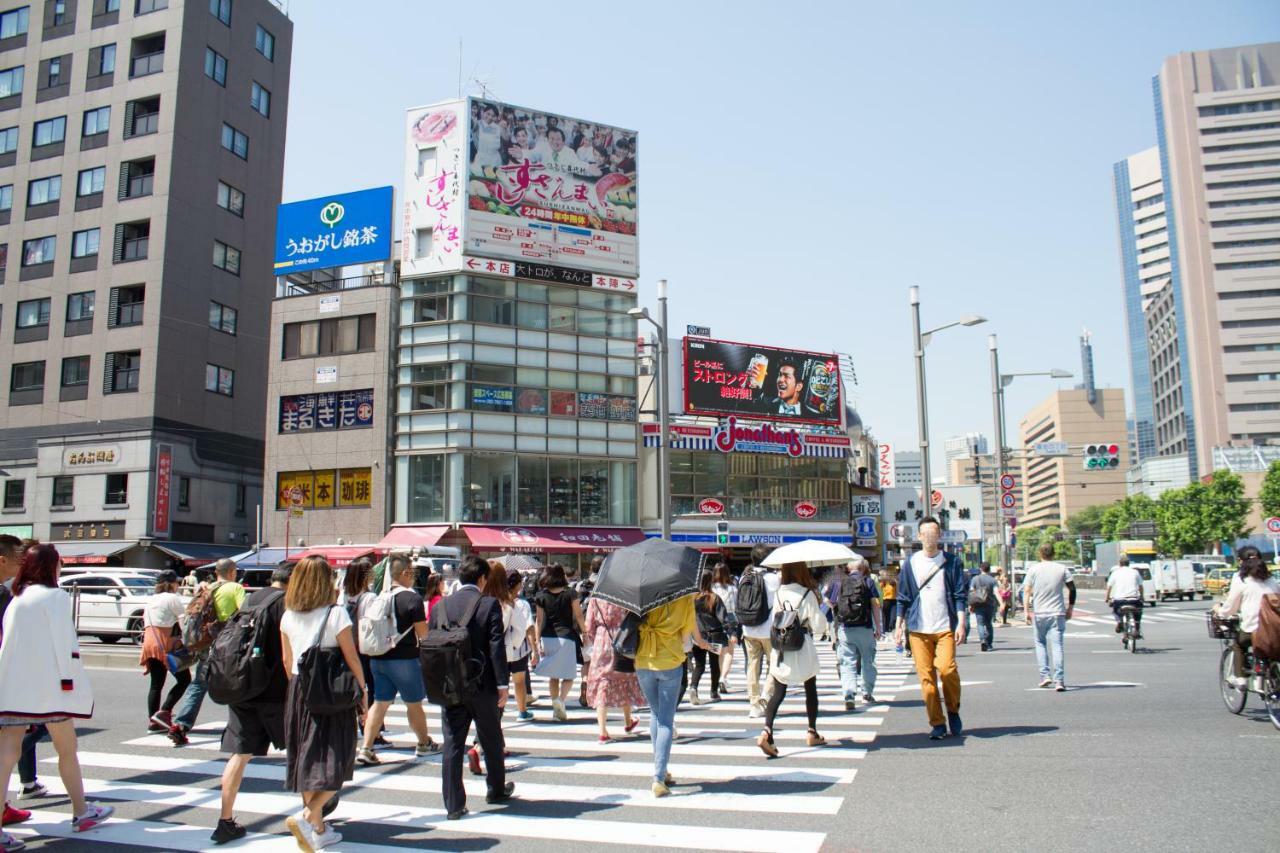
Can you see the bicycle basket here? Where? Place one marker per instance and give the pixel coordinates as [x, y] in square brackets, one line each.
[1219, 628]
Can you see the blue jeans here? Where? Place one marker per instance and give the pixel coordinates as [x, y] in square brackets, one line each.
[661, 689]
[189, 707]
[27, 758]
[392, 676]
[1049, 630]
[857, 645]
[986, 625]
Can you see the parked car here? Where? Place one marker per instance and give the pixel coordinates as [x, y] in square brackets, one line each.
[110, 602]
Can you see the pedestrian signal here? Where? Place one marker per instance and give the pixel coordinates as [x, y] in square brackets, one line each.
[722, 533]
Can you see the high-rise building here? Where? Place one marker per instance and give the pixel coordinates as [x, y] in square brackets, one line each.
[908, 468]
[962, 446]
[141, 161]
[1202, 257]
[1056, 487]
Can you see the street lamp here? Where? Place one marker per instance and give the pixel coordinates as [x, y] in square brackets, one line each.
[922, 340]
[664, 408]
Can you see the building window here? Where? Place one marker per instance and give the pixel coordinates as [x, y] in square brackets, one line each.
[241, 498]
[63, 491]
[260, 99]
[96, 121]
[219, 380]
[422, 243]
[137, 178]
[80, 306]
[132, 241]
[6, 197]
[15, 494]
[102, 61]
[335, 336]
[14, 22]
[430, 387]
[50, 132]
[265, 43]
[91, 181]
[27, 376]
[117, 489]
[145, 7]
[230, 199]
[41, 250]
[226, 257]
[122, 371]
[215, 66]
[84, 243]
[8, 140]
[11, 82]
[44, 190]
[75, 371]
[59, 8]
[55, 72]
[141, 117]
[221, 9]
[222, 317]
[126, 306]
[184, 493]
[147, 56]
[235, 142]
[33, 313]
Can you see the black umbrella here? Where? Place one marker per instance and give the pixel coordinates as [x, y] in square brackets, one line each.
[647, 575]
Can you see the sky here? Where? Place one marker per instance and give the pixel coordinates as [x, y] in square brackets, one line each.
[801, 165]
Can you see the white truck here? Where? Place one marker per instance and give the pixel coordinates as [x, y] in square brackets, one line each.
[1176, 579]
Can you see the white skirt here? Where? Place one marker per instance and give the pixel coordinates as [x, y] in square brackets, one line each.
[559, 659]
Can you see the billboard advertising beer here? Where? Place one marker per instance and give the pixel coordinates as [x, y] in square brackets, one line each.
[725, 378]
[543, 187]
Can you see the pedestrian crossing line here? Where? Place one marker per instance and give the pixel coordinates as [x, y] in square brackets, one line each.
[1190, 617]
[373, 780]
[683, 723]
[497, 822]
[685, 731]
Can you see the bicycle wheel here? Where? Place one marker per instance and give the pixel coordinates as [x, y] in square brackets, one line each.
[1272, 697]
[1133, 638]
[1234, 697]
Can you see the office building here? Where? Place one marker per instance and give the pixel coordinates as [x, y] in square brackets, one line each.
[141, 160]
[962, 446]
[1055, 488]
[907, 469]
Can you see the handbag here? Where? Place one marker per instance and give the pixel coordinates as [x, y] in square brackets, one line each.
[177, 657]
[328, 686]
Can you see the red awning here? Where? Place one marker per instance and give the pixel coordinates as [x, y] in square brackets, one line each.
[561, 540]
[411, 536]
[339, 556]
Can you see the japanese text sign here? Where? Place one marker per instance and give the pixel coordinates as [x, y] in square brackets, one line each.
[721, 377]
[334, 230]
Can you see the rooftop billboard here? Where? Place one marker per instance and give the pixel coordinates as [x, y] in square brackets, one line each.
[767, 383]
[334, 231]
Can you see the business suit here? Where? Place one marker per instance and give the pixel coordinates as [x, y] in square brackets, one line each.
[488, 645]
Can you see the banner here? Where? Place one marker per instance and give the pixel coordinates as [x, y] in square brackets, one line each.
[326, 411]
[334, 231]
[164, 476]
[725, 378]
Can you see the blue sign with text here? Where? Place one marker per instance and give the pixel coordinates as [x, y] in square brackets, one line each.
[334, 230]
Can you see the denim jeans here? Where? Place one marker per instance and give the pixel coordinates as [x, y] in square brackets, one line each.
[193, 698]
[661, 689]
[986, 625]
[1049, 631]
[857, 646]
[27, 758]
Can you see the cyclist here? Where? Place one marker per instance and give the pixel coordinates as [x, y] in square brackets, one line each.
[1124, 589]
[1246, 599]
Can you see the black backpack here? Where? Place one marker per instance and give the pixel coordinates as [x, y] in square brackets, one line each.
[752, 606]
[529, 589]
[449, 668]
[626, 643]
[788, 631]
[853, 605]
[239, 670]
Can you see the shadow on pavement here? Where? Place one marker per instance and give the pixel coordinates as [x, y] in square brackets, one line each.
[921, 740]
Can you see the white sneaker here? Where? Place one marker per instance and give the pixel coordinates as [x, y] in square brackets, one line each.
[694, 698]
[327, 839]
[558, 711]
[9, 844]
[755, 713]
[94, 815]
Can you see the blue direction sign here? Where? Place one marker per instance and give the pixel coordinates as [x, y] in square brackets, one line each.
[334, 231]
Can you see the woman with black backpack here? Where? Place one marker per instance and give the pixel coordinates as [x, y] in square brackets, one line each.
[797, 619]
[712, 617]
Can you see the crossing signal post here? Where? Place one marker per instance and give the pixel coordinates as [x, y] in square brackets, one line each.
[1103, 456]
[722, 534]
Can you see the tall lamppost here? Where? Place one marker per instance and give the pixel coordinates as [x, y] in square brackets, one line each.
[664, 408]
[922, 340]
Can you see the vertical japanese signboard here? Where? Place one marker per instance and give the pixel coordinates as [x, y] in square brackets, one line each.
[164, 476]
[435, 169]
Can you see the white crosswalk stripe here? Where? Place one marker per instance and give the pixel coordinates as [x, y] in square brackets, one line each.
[729, 796]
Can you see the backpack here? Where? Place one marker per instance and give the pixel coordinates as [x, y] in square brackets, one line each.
[238, 671]
[789, 631]
[752, 605]
[853, 604]
[377, 623]
[201, 626]
[980, 595]
[1266, 638]
[449, 669]
[529, 589]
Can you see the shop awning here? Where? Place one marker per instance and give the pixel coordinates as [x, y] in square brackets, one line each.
[412, 536]
[339, 556]
[193, 554]
[90, 553]
[559, 540]
[263, 558]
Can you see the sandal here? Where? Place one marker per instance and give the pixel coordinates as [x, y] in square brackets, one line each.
[815, 739]
[767, 746]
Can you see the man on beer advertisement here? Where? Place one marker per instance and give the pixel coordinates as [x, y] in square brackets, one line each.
[790, 389]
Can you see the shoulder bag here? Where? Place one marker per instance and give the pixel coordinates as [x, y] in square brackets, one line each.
[328, 686]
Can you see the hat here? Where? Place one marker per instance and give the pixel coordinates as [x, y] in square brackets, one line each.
[167, 576]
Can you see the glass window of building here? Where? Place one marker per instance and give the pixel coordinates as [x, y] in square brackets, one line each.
[562, 482]
[488, 488]
[427, 486]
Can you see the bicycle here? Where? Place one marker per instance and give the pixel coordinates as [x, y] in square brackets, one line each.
[1262, 676]
[1129, 622]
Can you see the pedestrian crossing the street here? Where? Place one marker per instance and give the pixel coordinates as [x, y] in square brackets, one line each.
[570, 788]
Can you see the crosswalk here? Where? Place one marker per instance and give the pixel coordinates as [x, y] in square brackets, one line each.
[571, 789]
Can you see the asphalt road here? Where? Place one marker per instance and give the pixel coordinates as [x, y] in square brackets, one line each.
[1138, 754]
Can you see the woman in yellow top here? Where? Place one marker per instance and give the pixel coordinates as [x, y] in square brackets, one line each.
[888, 596]
[659, 664]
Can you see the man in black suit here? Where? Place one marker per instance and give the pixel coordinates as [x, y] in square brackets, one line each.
[488, 645]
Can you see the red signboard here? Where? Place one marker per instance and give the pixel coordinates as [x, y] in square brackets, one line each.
[804, 509]
[164, 472]
[710, 506]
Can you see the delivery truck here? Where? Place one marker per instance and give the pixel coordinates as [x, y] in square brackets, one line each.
[1177, 579]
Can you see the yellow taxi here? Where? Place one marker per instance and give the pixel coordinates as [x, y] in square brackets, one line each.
[1218, 579]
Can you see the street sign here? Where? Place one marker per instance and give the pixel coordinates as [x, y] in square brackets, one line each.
[865, 543]
[1007, 500]
[865, 527]
[1007, 512]
[866, 505]
[1052, 448]
[900, 531]
[1273, 525]
[1007, 482]
[953, 537]
[699, 331]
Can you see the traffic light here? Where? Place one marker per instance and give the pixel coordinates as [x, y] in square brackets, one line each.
[1102, 456]
[722, 533]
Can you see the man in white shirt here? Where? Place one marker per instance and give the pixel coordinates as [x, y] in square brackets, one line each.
[755, 638]
[1124, 589]
[1044, 594]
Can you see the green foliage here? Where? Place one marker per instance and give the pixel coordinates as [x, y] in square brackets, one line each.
[1201, 516]
[1269, 495]
[1088, 521]
[1227, 508]
[1116, 518]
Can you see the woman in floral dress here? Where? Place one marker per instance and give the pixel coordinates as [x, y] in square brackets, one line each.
[606, 687]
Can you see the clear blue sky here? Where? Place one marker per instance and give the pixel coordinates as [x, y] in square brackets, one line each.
[802, 164]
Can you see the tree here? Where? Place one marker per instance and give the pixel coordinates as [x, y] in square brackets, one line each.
[1088, 521]
[1117, 517]
[1180, 517]
[1269, 495]
[1227, 509]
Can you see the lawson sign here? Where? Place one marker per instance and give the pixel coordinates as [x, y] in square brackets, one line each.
[334, 230]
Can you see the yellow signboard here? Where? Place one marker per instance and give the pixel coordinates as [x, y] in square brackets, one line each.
[355, 487]
[285, 483]
[324, 492]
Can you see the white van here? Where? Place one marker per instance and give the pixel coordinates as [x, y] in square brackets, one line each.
[1176, 579]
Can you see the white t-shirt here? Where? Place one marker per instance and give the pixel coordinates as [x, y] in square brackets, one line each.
[1047, 583]
[771, 583]
[163, 610]
[516, 619]
[1124, 583]
[935, 615]
[301, 626]
[1247, 601]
